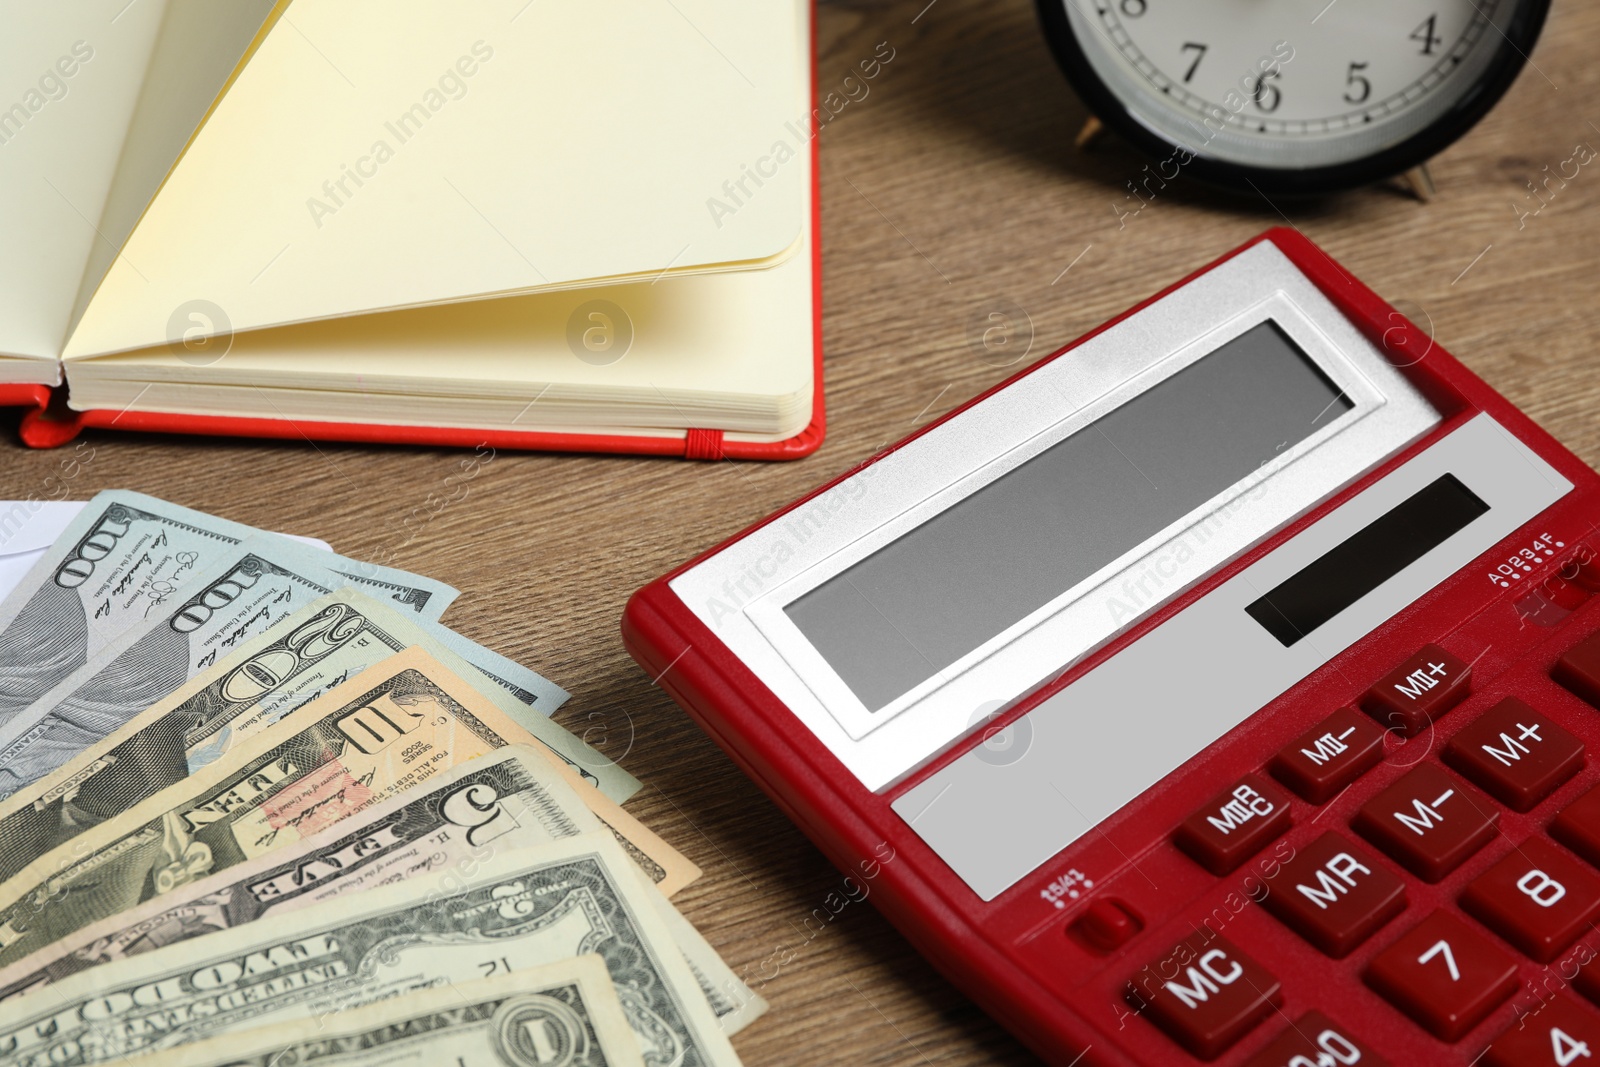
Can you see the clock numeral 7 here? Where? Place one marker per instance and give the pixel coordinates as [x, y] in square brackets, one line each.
[1199, 51]
[1354, 79]
[1425, 34]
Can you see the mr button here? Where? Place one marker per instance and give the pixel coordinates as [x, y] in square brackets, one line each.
[1428, 821]
[1215, 995]
[1335, 895]
[1418, 691]
[1235, 825]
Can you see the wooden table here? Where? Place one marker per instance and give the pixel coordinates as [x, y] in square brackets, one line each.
[950, 190]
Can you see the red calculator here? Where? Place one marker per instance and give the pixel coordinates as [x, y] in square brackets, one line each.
[1216, 690]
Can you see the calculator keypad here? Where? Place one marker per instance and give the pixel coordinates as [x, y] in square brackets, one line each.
[1444, 974]
[1335, 894]
[1339, 890]
[1538, 897]
[1428, 821]
[1515, 753]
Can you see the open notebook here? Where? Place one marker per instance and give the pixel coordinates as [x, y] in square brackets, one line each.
[532, 224]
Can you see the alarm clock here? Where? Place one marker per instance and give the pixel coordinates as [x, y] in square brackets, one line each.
[1299, 98]
[1216, 690]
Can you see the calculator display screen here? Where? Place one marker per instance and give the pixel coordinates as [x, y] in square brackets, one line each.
[916, 606]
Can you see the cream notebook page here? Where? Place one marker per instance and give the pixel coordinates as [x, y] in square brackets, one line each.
[379, 154]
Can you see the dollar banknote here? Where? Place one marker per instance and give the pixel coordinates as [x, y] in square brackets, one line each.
[122, 556]
[389, 729]
[511, 798]
[249, 587]
[565, 1013]
[509, 801]
[299, 659]
[519, 912]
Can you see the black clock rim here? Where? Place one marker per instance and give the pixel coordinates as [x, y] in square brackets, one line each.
[1521, 34]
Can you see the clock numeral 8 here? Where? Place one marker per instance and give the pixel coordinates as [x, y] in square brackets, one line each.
[1266, 95]
[1134, 8]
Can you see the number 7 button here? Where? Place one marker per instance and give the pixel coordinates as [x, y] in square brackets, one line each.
[1444, 975]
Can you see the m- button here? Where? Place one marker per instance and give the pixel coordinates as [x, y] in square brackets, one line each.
[1234, 825]
[1418, 691]
[1428, 821]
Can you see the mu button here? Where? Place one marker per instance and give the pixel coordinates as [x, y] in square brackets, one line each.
[1418, 691]
[1335, 894]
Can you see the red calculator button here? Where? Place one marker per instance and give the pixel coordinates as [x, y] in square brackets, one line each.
[1335, 894]
[1217, 995]
[1418, 691]
[1578, 826]
[1236, 824]
[1108, 924]
[1316, 1041]
[1445, 975]
[1517, 754]
[1579, 669]
[1329, 756]
[1538, 898]
[1562, 1033]
[1429, 821]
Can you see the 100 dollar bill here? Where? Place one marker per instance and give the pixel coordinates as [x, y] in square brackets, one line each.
[522, 911]
[253, 585]
[121, 556]
[564, 1013]
[298, 660]
[386, 730]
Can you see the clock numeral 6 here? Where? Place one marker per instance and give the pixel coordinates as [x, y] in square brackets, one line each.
[1134, 8]
[1266, 95]
[1359, 87]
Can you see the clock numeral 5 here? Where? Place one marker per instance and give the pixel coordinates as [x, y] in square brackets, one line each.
[1358, 84]
[1266, 95]
[1199, 51]
[1425, 34]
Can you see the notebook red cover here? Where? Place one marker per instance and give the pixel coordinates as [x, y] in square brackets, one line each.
[48, 426]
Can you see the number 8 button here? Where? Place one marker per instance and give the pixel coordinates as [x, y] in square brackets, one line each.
[1538, 898]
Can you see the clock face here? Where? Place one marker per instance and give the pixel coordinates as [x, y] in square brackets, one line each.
[1296, 85]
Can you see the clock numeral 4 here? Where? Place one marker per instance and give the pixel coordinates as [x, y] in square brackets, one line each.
[1199, 51]
[1426, 34]
[1266, 95]
[1358, 87]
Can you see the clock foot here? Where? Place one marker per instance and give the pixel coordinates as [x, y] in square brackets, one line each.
[1088, 133]
[1420, 181]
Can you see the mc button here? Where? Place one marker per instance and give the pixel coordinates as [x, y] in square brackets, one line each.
[1205, 994]
[1418, 691]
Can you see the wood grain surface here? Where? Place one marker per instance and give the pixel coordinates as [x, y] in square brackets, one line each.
[950, 190]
